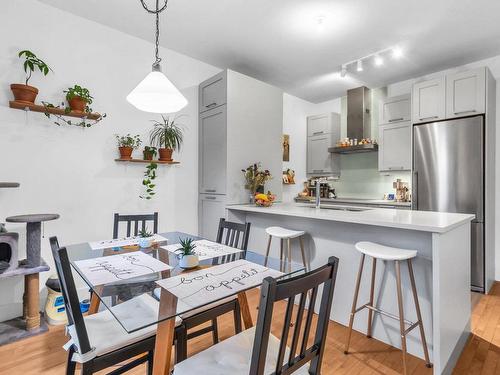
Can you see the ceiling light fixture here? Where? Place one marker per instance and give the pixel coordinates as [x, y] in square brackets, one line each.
[359, 66]
[156, 93]
[343, 72]
[378, 60]
[397, 53]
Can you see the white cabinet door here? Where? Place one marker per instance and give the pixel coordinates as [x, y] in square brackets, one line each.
[319, 160]
[319, 124]
[394, 153]
[211, 209]
[429, 100]
[212, 153]
[395, 109]
[213, 92]
[466, 93]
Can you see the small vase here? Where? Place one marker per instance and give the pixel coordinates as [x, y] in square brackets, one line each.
[189, 261]
[145, 242]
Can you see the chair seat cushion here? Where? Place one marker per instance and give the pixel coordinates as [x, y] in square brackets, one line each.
[232, 356]
[378, 251]
[280, 232]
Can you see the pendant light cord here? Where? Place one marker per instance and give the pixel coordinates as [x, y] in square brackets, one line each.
[156, 12]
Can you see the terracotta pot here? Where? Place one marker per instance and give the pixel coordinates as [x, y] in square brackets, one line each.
[77, 104]
[126, 152]
[165, 154]
[24, 93]
[148, 155]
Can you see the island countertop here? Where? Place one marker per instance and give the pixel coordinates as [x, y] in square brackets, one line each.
[436, 222]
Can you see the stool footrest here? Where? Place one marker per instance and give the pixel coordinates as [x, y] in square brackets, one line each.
[388, 314]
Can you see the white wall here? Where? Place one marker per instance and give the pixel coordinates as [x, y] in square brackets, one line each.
[71, 171]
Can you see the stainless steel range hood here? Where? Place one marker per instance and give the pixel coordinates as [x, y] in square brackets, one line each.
[359, 105]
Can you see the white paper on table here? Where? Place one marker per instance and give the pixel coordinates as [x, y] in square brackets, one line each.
[118, 267]
[207, 249]
[119, 242]
[204, 286]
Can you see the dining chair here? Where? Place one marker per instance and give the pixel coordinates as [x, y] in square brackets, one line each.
[230, 234]
[98, 341]
[256, 351]
[134, 220]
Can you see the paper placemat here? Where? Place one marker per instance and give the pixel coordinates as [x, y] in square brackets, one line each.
[207, 249]
[119, 242]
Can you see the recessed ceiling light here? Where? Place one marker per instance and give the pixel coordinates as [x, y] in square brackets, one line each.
[397, 53]
[359, 66]
[343, 72]
[379, 60]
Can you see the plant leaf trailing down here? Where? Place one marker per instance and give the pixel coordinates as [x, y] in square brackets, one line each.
[148, 181]
[84, 123]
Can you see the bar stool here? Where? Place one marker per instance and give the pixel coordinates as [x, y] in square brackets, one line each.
[286, 234]
[377, 251]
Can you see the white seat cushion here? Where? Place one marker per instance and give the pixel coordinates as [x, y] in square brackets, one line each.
[232, 356]
[378, 251]
[284, 233]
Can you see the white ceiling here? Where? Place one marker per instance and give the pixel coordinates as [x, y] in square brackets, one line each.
[278, 41]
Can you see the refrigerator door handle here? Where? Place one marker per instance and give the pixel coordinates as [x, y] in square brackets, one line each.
[414, 202]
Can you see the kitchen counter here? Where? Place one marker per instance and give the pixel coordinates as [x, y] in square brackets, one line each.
[442, 266]
[357, 201]
[434, 222]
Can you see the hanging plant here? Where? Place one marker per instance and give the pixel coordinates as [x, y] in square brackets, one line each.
[82, 122]
[148, 181]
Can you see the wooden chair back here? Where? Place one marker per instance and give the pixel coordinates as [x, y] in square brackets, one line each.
[299, 352]
[234, 235]
[134, 221]
[70, 294]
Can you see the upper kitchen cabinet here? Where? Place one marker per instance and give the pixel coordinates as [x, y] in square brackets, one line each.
[394, 152]
[395, 109]
[466, 93]
[213, 151]
[213, 92]
[323, 131]
[429, 102]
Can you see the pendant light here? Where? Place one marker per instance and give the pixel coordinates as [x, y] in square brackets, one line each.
[156, 93]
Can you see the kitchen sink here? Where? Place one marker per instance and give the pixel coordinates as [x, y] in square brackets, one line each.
[342, 208]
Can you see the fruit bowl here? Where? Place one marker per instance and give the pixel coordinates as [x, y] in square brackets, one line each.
[264, 200]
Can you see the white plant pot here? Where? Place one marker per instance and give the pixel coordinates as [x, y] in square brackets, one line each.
[145, 242]
[189, 261]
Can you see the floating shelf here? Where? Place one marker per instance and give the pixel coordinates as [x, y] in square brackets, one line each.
[147, 161]
[55, 111]
[9, 184]
[370, 147]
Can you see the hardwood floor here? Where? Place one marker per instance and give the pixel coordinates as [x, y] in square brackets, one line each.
[43, 354]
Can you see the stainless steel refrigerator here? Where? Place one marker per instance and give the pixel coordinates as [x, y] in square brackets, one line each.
[448, 176]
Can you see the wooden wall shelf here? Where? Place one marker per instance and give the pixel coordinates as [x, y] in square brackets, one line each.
[55, 111]
[147, 161]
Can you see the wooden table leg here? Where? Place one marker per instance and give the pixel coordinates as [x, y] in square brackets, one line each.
[165, 335]
[245, 310]
[94, 304]
[32, 299]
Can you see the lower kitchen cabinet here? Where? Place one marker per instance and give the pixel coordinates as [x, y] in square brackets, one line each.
[211, 208]
[394, 153]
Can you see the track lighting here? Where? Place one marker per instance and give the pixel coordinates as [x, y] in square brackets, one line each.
[379, 60]
[343, 72]
[359, 66]
[397, 53]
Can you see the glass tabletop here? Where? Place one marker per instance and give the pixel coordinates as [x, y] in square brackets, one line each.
[150, 298]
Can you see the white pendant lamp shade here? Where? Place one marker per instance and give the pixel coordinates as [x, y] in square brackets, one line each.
[157, 94]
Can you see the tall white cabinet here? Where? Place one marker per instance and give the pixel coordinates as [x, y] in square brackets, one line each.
[323, 131]
[240, 123]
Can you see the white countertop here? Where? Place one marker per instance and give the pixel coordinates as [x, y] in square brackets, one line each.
[356, 201]
[426, 221]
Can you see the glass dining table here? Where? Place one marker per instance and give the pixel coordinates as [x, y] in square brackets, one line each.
[177, 290]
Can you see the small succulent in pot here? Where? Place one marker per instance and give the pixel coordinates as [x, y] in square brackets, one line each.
[79, 98]
[186, 254]
[149, 152]
[145, 238]
[167, 135]
[127, 144]
[25, 93]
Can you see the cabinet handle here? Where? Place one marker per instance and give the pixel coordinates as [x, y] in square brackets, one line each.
[461, 112]
[211, 198]
[317, 170]
[317, 133]
[428, 118]
[210, 190]
[211, 105]
[396, 119]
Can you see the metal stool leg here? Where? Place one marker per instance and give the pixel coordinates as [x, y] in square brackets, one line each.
[419, 315]
[303, 253]
[289, 243]
[268, 249]
[282, 259]
[354, 303]
[401, 314]
[372, 293]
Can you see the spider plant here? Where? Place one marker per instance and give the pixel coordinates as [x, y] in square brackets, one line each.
[166, 134]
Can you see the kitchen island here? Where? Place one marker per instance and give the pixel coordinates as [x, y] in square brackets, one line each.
[442, 267]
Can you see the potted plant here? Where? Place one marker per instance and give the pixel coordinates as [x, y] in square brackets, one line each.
[145, 238]
[25, 93]
[187, 257]
[148, 182]
[127, 144]
[78, 98]
[149, 152]
[167, 136]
